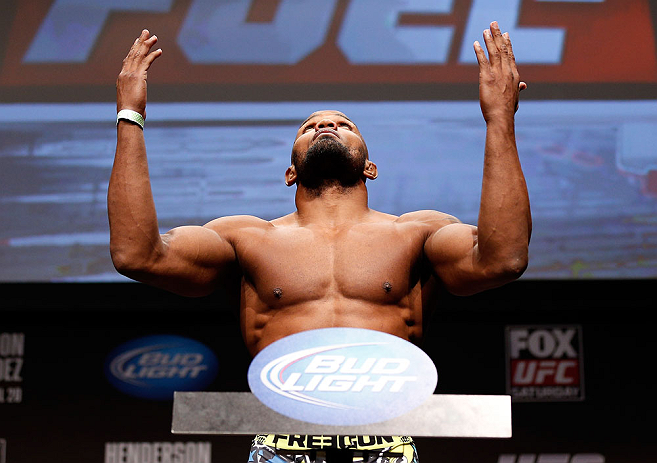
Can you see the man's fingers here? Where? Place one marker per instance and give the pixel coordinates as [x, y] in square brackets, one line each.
[501, 42]
[140, 49]
[131, 52]
[152, 56]
[145, 44]
[497, 36]
[493, 51]
[481, 55]
[143, 36]
[138, 41]
[509, 47]
[512, 57]
[148, 58]
[512, 61]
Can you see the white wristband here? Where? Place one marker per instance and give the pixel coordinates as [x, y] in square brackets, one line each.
[130, 116]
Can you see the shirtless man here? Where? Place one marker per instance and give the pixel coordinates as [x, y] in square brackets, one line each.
[334, 262]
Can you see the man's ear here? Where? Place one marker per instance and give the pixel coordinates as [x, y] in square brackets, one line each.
[370, 170]
[290, 176]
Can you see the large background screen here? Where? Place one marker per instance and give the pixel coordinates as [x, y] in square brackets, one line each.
[236, 78]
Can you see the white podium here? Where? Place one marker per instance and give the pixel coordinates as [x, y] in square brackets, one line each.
[442, 415]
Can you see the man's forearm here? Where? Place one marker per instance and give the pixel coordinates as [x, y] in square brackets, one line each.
[134, 234]
[504, 225]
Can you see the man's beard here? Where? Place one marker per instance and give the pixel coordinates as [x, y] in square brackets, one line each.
[329, 163]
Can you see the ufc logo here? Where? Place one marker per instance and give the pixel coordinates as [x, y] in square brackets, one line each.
[544, 372]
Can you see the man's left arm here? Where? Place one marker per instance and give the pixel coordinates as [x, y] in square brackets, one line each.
[471, 259]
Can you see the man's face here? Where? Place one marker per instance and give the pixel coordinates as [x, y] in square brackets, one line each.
[328, 150]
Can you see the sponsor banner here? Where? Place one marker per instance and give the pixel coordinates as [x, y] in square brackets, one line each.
[12, 349]
[153, 367]
[552, 458]
[67, 42]
[544, 363]
[342, 376]
[158, 452]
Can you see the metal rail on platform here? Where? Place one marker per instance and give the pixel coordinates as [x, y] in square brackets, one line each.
[442, 415]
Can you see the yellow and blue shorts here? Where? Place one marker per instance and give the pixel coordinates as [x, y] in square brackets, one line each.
[295, 448]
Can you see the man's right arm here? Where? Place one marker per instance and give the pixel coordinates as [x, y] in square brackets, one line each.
[186, 260]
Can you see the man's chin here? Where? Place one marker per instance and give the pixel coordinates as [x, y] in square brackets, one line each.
[326, 141]
[329, 163]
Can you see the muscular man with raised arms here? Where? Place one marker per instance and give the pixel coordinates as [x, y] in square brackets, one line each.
[334, 262]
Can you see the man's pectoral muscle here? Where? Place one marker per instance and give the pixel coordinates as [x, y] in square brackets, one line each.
[371, 275]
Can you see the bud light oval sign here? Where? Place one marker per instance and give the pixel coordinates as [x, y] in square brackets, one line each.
[153, 367]
[342, 376]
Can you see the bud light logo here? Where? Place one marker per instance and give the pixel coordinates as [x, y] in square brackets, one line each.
[342, 376]
[154, 367]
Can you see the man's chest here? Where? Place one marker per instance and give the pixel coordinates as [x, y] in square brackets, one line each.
[378, 263]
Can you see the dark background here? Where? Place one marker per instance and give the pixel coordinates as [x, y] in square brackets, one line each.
[69, 409]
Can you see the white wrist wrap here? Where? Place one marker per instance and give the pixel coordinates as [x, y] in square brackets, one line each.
[131, 116]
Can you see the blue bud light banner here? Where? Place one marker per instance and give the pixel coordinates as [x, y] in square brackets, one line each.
[342, 376]
[153, 367]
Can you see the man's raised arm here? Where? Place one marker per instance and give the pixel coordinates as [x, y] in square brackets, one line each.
[187, 260]
[470, 259]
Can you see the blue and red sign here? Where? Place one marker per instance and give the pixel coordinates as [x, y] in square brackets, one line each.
[342, 376]
[261, 42]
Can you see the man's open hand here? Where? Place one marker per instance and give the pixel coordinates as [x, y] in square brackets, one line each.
[131, 83]
[499, 81]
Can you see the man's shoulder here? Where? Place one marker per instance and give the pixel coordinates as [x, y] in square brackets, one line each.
[237, 220]
[289, 219]
[244, 222]
[428, 217]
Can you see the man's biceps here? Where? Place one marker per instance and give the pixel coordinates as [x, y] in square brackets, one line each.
[189, 232]
[219, 250]
[452, 242]
[194, 242]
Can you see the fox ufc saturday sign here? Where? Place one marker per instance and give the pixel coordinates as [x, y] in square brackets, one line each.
[342, 376]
